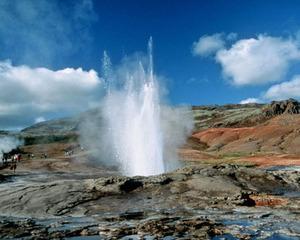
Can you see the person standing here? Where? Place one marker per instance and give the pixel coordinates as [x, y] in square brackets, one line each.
[14, 163]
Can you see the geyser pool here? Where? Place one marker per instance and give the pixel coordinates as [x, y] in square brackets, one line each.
[132, 113]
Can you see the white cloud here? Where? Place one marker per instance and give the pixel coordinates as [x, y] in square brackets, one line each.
[250, 100]
[30, 92]
[258, 60]
[39, 119]
[208, 44]
[285, 90]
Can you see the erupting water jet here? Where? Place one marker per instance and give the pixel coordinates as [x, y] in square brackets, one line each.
[132, 113]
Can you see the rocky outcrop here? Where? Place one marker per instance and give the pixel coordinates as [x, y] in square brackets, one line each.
[290, 106]
[234, 115]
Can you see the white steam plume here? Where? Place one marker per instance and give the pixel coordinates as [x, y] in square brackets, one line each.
[8, 143]
[132, 129]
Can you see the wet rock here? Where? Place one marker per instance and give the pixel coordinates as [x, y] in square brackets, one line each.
[118, 232]
[21, 229]
[3, 178]
[192, 187]
[177, 227]
[167, 205]
[166, 227]
[132, 215]
[130, 185]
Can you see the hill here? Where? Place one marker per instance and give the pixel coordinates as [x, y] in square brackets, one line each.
[230, 130]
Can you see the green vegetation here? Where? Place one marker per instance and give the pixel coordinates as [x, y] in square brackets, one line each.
[44, 139]
[225, 116]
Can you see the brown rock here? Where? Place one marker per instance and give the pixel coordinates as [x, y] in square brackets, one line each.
[268, 200]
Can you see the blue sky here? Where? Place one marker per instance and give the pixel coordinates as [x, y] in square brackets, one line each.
[56, 35]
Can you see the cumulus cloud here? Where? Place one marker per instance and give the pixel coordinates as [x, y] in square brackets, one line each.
[208, 44]
[258, 60]
[27, 93]
[39, 32]
[250, 100]
[285, 90]
[281, 91]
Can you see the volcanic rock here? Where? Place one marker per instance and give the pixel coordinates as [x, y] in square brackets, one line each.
[290, 106]
[268, 200]
[167, 205]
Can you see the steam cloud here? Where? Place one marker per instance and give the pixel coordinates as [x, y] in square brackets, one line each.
[98, 136]
[8, 143]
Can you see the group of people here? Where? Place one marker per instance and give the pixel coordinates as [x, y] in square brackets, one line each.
[15, 158]
[71, 149]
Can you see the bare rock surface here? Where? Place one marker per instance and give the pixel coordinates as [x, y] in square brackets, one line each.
[195, 202]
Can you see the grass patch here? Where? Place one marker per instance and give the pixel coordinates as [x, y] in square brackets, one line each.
[45, 139]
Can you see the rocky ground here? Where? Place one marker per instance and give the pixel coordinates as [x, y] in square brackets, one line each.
[240, 180]
[195, 202]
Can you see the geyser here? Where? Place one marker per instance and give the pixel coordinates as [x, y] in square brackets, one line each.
[133, 119]
[132, 129]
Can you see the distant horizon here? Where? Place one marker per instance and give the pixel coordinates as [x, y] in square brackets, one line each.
[76, 114]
